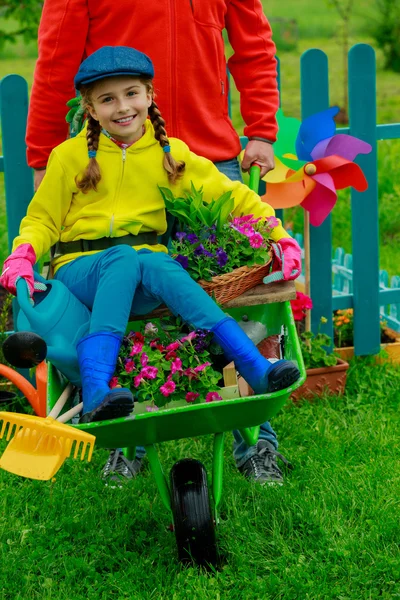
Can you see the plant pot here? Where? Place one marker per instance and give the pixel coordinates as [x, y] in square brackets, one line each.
[392, 350]
[328, 380]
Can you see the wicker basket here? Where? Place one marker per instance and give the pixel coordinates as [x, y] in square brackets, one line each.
[231, 285]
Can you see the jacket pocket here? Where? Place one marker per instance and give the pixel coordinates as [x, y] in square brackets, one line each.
[209, 12]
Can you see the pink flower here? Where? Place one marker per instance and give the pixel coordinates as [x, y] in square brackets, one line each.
[173, 346]
[137, 347]
[137, 380]
[188, 338]
[191, 396]
[256, 240]
[211, 396]
[300, 305]
[113, 383]
[149, 372]
[152, 408]
[144, 359]
[272, 222]
[247, 230]
[190, 373]
[201, 367]
[130, 366]
[176, 365]
[168, 388]
[170, 355]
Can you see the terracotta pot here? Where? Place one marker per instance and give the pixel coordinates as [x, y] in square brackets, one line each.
[331, 380]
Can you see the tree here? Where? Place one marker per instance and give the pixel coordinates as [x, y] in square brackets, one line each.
[26, 14]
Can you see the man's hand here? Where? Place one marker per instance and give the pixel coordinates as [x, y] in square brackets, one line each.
[260, 152]
[37, 178]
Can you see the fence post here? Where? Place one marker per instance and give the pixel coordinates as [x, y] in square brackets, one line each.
[315, 98]
[364, 206]
[18, 178]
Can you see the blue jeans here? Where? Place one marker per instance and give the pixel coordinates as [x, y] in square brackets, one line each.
[241, 451]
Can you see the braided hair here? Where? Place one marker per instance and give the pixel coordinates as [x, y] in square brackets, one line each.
[92, 173]
[174, 169]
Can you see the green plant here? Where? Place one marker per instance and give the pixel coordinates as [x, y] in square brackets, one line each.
[314, 349]
[386, 31]
[343, 323]
[163, 364]
[212, 242]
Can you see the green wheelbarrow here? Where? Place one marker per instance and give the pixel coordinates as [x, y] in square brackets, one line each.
[185, 493]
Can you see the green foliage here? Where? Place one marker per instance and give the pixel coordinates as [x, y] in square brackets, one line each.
[313, 348]
[25, 14]
[386, 32]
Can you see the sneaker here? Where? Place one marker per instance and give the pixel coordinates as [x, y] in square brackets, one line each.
[262, 466]
[119, 469]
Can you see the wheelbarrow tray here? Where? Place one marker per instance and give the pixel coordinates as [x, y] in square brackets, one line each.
[194, 420]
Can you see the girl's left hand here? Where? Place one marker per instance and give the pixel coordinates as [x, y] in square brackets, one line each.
[286, 261]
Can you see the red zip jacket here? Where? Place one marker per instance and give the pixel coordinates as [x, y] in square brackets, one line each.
[184, 40]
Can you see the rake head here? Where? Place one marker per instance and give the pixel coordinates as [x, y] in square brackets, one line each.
[40, 446]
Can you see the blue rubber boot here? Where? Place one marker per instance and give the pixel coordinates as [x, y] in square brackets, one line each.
[97, 358]
[262, 375]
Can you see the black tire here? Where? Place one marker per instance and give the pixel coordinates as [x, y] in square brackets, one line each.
[193, 521]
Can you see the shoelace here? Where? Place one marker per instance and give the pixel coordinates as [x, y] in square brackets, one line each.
[117, 463]
[269, 456]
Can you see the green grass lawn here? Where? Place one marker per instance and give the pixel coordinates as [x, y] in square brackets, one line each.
[331, 532]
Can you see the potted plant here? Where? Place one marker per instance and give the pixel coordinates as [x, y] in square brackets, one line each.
[326, 372]
[343, 321]
[166, 365]
[227, 255]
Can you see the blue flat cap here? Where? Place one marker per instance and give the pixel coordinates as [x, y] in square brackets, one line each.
[113, 60]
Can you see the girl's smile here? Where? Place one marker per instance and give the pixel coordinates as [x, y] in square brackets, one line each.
[120, 104]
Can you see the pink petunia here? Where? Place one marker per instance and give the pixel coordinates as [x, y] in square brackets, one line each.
[168, 388]
[113, 383]
[188, 338]
[191, 396]
[176, 365]
[272, 221]
[137, 380]
[190, 373]
[170, 355]
[137, 347]
[130, 366]
[144, 359]
[256, 240]
[247, 230]
[152, 408]
[201, 367]
[173, 346]
[149, 372]
[211, 396]
[150, 328]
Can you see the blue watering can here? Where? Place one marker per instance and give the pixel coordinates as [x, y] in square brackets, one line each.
[59, 318]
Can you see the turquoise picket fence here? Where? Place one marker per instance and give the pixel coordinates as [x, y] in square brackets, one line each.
[367, 296]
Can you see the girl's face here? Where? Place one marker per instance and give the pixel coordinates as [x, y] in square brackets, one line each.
[120, 104]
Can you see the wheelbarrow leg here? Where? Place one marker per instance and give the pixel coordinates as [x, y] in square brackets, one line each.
[217, 473]
[161, 480]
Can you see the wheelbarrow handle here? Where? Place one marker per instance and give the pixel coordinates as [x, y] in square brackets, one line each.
[254, 182]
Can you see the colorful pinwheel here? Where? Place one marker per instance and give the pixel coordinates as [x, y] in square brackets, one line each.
[312, 163]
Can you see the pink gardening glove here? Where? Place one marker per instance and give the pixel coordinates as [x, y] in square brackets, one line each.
[19, 264]
[286, 261]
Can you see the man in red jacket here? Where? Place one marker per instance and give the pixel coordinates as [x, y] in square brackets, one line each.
[184, 40]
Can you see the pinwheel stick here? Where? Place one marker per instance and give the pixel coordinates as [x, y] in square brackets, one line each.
[307, 270]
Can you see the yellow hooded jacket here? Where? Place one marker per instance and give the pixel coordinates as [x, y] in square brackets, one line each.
[127, 200]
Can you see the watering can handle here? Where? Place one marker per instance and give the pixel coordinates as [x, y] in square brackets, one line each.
[24, 300]
[254, 177]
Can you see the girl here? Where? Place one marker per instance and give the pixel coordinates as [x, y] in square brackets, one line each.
[100, 204]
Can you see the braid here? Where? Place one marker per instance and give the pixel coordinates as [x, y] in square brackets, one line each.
[92, 174]
[174, 169]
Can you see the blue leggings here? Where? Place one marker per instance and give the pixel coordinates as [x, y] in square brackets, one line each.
[120, 282]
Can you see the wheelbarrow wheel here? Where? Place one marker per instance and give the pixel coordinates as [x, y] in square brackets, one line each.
[193, 522]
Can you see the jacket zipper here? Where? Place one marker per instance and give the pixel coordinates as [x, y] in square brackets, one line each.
[118, 190]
